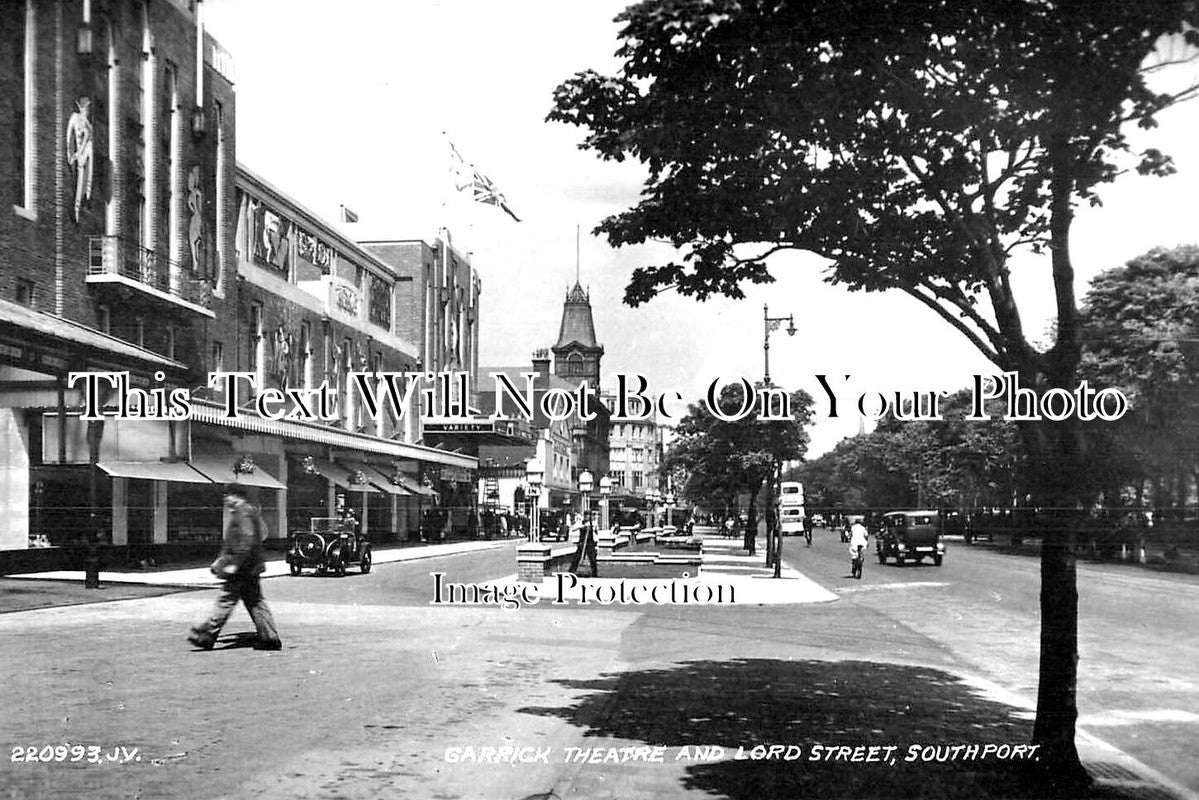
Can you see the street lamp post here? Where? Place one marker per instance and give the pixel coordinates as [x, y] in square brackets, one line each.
[669, 505]
[771, 324]
[586, 546]
[605, 487]
[586, 484]
[534, 472]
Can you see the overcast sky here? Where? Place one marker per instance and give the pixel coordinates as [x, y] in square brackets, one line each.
[347, 103]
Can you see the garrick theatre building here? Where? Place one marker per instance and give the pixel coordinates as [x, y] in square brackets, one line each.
[131, 241]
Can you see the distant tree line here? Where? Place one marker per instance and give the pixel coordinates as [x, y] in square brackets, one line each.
[1141, 335]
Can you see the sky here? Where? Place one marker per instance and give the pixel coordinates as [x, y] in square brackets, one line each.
[351, 103]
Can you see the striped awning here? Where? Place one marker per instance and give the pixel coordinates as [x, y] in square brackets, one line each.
[376, 477]
[176, 471]
[219, 469]
[248, 420]
[342, 477]
[415, 487]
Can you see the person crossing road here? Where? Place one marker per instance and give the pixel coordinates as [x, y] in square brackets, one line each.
[858, 538]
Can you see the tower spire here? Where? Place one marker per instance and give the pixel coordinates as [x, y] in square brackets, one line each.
[577, 281]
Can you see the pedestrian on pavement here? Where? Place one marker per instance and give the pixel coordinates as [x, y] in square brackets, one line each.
[240, 565]
[586, 547]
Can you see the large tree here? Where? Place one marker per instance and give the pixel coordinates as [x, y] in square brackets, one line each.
[919, 147]
[1141, 323]
[721, 459]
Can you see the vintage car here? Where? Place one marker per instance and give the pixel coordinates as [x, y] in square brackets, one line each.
[910, 536]
[329, 545]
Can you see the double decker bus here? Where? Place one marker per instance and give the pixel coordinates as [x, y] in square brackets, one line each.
[791, 508]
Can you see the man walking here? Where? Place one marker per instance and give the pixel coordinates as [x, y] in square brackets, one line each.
[239, 565]
[586, 547]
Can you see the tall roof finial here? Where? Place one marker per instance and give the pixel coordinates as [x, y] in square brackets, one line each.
[577, 281]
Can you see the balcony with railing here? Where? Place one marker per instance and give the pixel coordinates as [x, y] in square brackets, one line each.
[114, 261]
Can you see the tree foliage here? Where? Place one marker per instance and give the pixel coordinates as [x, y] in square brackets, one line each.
[917, 146]
[720, 459]
[950, 464]
[1142, 331]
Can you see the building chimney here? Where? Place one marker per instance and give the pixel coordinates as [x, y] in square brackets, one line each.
[541, 365]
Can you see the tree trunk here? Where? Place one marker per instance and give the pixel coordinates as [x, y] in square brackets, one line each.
[751, 523]
[1058, 464]
[1057, 701]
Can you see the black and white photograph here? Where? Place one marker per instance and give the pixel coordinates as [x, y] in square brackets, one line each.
[722, 399]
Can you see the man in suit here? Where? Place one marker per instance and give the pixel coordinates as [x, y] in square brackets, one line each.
[240, 565]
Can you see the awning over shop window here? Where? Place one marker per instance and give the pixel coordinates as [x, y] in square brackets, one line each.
[377, 478]
[177, 471]
[219, 469]
[342, 477]
[416, 488]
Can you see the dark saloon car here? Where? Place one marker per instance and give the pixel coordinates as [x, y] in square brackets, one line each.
[910, 536]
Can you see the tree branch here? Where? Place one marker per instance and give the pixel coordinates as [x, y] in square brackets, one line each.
[983, 346]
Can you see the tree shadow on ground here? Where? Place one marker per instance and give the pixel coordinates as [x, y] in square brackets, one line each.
[749, 702]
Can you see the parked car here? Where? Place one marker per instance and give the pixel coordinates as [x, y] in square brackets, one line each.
[910, 536]
[818, 520]
[329, 545]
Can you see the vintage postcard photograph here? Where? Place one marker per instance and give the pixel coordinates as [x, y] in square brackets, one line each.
[621, 399]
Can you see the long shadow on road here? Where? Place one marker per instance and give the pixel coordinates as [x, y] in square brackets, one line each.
[751, 702]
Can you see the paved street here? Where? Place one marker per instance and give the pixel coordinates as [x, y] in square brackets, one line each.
[1137, 634]
[375, 688]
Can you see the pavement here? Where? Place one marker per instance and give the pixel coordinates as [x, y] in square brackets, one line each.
[380, 701]
[725, 568]
[202, 578]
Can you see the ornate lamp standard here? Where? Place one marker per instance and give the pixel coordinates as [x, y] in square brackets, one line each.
[534, 472]
[771, 324]
[605, 487]
[585, 486]
[651, 497]
[774, 539]
[669, 505]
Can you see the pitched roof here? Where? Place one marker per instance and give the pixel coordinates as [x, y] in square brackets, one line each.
[577, 326]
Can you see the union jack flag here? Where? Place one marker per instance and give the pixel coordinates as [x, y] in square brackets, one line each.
[469, 179]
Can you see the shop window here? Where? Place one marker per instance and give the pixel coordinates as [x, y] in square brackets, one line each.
[380, 303]
[257, 343]
[221, 157]
[20, 33]
[306, 354]
[169, 140]
[25, 293]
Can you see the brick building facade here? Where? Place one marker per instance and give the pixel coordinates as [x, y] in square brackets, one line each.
[131, 241]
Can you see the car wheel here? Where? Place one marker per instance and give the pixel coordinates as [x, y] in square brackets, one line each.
[900, 561]
[296, 569]
[882, 557]
[937, 561]
[365, 562]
